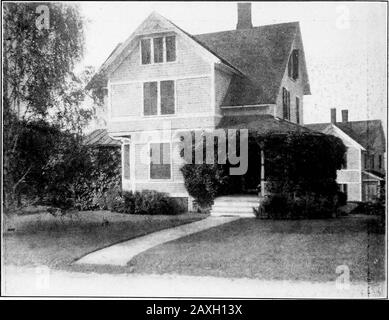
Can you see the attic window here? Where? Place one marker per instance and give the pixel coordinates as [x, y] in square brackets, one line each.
[293, 65]
[146, 51]
[158, 50]
[171, 48]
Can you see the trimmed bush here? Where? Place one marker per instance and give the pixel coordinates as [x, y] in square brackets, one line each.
[140, 202]
[286, 206]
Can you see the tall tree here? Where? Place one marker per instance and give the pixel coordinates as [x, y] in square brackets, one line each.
[42, 42]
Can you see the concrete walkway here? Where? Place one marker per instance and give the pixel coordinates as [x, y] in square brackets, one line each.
[120, 254]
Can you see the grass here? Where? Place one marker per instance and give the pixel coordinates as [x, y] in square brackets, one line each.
[307, 250]
[42, 239]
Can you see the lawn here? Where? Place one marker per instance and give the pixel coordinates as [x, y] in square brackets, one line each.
[284, 250]
[42, 239]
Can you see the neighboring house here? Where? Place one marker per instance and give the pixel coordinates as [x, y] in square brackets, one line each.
[163, 78]
[363, 174]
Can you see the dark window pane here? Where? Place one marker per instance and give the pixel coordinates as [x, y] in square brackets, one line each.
[150, 98]
[160, 161]
[158, 50]
[286, 104]
[171, 48]
[146, 51]
[297, 110]
[295, 64]
[167, 97]
[126, 161]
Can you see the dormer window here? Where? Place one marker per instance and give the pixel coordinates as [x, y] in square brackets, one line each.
[293, 65]
[158, 50]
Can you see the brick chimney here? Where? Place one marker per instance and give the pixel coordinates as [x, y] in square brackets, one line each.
[344, 115]
[333, 115]
[244, 16]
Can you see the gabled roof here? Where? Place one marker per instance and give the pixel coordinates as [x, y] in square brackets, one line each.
[368, 133]
[260, 53]
[261, 124]
[257, 57]
[100, 138]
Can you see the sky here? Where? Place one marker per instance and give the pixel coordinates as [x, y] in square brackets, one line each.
[344, 42]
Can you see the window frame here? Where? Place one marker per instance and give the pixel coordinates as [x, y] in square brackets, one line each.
[285, 100]
[151, 51]
[171, 160]
[293, 67]
[164, 50]
[159, 114]
[297, 102]
[124, 145]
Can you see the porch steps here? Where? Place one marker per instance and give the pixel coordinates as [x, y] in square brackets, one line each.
[235, 205]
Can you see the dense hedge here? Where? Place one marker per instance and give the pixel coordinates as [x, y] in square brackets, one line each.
[139, 202]
[52, 167]
[297, 164]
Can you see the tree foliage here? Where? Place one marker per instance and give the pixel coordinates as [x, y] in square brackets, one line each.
[41, 94]
[38, 62]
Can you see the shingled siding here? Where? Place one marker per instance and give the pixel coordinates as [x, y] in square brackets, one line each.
[193, 95]
[295, 87]
[193, 91]
[188, 63]
[126, 99]
[222, 81]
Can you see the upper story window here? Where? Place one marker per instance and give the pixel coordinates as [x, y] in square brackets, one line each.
[158, 98]
[126, 161]
[285, 104]
[293, 65]
[170, 48]
[146, 51]
[380, 161]
[158, 49]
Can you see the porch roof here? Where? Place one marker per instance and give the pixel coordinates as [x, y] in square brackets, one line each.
[368, 176]
[101, 138]
[261, 124]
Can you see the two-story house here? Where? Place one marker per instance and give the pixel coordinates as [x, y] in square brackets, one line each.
[362, 175]
[163, 78]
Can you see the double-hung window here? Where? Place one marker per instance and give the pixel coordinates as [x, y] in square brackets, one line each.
[293, 65]
[158, 98]
[285, 104]
[158, 49]
[160, 161]
[126, 161]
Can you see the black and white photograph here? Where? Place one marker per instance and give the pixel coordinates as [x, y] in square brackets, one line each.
[197, 150]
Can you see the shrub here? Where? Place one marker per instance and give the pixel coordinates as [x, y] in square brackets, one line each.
[112, 200]
[139, 202]
[287, 206]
